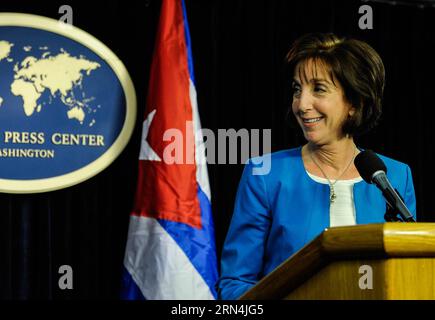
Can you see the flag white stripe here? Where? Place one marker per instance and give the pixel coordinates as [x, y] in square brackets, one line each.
[201, 162]
[158, 266]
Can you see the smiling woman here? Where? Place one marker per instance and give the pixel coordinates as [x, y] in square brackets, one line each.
[347, 65]
[319, 104]
[337, 91]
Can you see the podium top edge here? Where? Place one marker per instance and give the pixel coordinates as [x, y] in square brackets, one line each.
[369, 241]
[386, 239]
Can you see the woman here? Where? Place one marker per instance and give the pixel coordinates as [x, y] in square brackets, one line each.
[337, 89]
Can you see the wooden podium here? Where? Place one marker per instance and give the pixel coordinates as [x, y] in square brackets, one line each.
[373, 261]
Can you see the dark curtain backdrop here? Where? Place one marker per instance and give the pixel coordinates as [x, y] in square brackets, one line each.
[239, 49]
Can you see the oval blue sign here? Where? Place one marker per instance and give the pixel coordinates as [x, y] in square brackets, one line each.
[67, 104]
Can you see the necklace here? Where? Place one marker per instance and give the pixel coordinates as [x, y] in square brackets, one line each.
[333, 196]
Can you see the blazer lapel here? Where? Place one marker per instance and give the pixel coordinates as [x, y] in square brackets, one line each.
[370, 205]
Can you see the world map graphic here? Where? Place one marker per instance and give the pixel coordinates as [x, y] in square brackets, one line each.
[67, 104]
[61, 74]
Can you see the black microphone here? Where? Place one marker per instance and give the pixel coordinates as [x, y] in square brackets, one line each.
[373, 170]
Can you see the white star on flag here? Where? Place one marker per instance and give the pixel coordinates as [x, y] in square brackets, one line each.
[146, 152]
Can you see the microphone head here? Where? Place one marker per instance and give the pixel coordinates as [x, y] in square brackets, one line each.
[367, 163]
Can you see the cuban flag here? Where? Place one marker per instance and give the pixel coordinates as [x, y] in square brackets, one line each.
[170, 252]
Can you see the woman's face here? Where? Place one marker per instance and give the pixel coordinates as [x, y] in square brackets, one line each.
[319, 104]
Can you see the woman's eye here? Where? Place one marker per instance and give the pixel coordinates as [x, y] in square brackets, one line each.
[296, 89]
[319, 89]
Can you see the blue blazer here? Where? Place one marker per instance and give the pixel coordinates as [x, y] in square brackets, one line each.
[276, 214]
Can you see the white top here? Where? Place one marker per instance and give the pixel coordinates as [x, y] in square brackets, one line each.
[342, 210]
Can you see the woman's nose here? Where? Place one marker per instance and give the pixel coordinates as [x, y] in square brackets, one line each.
[305, 101]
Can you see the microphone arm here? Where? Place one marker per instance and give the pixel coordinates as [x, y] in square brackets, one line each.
[391, 213]
[392, 197]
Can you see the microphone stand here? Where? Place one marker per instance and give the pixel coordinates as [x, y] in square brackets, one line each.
[391, 215]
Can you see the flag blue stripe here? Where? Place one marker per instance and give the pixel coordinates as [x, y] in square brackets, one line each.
[189, 49]
[198, 244]
[129, 288]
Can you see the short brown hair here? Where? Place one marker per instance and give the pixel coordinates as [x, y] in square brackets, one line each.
[357, 67]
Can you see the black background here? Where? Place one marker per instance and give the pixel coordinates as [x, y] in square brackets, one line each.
[238, 48]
